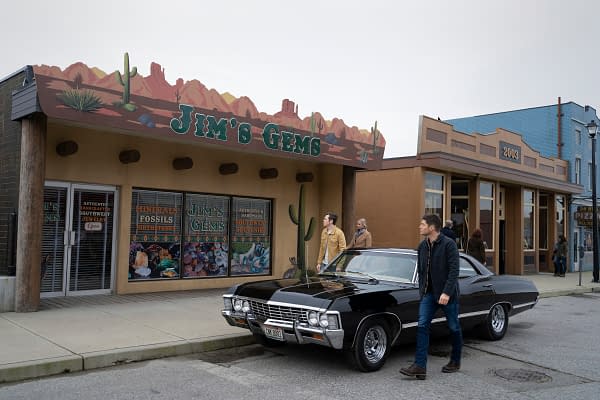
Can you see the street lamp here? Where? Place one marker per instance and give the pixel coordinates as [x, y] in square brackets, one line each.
[592, 130]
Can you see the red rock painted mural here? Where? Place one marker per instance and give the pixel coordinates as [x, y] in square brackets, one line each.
[189, 111]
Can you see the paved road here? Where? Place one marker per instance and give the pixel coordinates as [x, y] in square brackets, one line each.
[548, 353]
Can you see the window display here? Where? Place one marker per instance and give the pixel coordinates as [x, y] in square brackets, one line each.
[251, 236]
[206, 247]
[222, 236]
[155, 235]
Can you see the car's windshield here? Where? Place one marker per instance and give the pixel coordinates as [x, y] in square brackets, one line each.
[374, 264]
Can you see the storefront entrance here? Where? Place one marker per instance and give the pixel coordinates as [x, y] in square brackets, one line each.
[78, 239]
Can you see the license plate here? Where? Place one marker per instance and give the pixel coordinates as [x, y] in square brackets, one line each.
[273, 332]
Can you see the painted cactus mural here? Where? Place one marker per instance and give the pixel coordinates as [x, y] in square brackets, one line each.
[125, 81]
[312, 125]
[375, 133]
[302, 237]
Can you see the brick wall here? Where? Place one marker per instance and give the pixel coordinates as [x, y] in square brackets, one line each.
[10, 148]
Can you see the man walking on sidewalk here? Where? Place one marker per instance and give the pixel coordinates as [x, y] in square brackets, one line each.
[438, 266]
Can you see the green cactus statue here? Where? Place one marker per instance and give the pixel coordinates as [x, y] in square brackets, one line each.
[302, 237]
[126, 83]
[375, 132]
[313, 125]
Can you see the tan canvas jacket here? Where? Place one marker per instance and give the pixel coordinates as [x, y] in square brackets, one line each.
[364, 240]
[336, 243]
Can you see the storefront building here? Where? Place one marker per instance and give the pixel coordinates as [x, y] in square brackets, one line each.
[125, 184]
[494, 182]
[556, 130]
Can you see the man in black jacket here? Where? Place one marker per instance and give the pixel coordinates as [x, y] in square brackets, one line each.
[447, 230]
[438, 266]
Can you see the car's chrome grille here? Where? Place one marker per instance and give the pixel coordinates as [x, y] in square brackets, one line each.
[263, 311]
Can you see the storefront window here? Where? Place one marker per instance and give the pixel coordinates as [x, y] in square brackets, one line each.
[528, 219]
[222, 235]
[434, 194]
[587, 239]
[543, 231]
[459, 209]
[560, 215]
[251, 237]
[155, 235]
[205, 246]
[486, 213]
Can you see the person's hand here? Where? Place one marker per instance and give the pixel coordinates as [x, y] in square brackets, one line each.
[444, 298]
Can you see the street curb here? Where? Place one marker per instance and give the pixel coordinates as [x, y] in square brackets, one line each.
[567, 292]
[113, 357]
[37, 368]
[110, 358]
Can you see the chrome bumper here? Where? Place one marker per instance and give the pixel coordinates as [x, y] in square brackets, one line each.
[293, 332]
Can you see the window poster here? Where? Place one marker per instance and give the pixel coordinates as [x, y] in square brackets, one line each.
[250, 236]
[154, 250]
[206, 231]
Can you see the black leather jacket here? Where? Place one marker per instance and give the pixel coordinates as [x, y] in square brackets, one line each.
[444, 266]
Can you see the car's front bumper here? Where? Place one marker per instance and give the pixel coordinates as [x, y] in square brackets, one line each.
[293, 332]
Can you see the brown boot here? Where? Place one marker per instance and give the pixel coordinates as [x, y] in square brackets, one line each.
[414, 371]
[451, 367]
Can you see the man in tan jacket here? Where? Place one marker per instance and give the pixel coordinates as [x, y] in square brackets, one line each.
[362, 237]
[332, 241]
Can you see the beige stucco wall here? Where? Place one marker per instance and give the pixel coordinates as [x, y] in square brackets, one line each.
[97, 162]
[392, 202]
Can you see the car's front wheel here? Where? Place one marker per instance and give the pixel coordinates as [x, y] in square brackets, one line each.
[496, 324]
[372, 345]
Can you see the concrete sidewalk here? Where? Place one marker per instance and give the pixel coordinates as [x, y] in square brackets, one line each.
[71, 334]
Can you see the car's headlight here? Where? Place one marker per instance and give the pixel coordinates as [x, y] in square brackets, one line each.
[323, 320]
[246, 306]
[313, 318]
[237, 304]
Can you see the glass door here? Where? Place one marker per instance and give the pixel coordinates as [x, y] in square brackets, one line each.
[54, 241]
[79, 239]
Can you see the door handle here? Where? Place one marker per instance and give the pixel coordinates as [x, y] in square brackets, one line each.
[69, 238]
[488, 285]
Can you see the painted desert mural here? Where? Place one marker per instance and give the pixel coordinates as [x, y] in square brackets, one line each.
[189, 111]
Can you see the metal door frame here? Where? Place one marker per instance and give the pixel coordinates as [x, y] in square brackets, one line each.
[68, 236]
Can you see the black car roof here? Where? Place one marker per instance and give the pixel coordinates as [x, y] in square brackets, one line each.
[394, 250]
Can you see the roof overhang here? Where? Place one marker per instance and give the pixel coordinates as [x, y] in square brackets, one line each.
[465, 166]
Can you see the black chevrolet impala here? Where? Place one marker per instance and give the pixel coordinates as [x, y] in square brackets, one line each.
[366, 301]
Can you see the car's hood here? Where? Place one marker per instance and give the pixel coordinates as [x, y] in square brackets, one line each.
[316, 292]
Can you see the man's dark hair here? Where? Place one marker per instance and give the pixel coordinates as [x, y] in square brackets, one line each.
[433, 219]
[332, 217]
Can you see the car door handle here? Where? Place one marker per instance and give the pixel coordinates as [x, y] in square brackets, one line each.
[488, 285]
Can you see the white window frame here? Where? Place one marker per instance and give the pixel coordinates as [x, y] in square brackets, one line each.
[490, 246]
[436, 191]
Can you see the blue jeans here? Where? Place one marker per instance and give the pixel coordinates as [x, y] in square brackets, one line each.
[563, 265]
[427, 309]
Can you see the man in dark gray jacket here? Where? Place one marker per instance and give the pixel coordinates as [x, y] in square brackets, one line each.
[438, 266]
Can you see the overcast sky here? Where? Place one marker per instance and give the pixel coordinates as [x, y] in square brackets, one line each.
[360, 61]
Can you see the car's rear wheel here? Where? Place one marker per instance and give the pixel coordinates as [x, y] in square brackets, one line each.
[372, 345]
[496, 323]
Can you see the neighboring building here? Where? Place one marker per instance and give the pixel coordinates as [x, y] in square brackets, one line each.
[120, 183]
[495, 182]
[557, 130]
